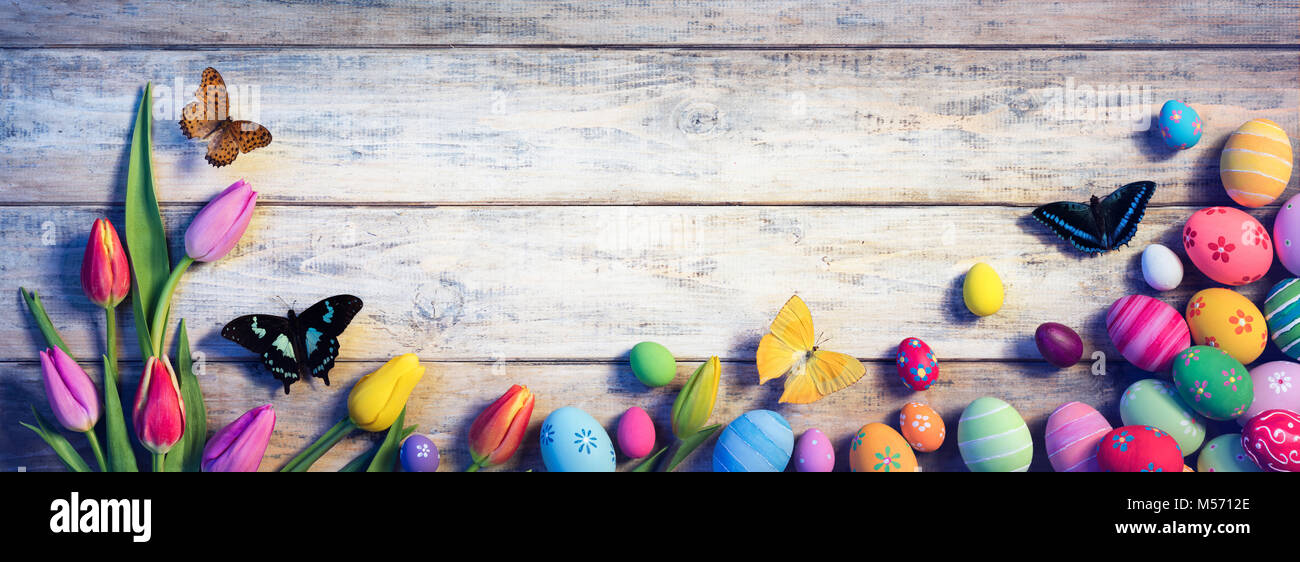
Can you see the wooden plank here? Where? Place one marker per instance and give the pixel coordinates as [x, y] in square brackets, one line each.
[738, 22]
[581, 283]
[496, 126]
[452, 394]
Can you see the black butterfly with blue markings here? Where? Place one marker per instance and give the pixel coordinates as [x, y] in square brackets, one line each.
[297, 346]
[1102, 224]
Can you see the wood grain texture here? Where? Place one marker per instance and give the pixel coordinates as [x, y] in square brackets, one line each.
[740, 22]
[504, 126]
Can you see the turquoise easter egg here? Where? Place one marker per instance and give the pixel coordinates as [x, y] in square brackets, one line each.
[992, 437]
[573, 441]
[1282, 312]
[1179, 125]
[757, 441]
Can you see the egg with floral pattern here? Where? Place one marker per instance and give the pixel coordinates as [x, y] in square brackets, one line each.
[573, 441]
[1224, 454]
[418, 454]
[1213, 383]
[1224, 319]
[1179, 125]
[1275, 385]
[876, 447]
[1272, 440]
[1228, 245]
[814, 452]
[1139, 448]
[916, 364]
[1156, 403]
[921, 426]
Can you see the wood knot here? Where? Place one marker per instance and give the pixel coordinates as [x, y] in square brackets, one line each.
[698, 118]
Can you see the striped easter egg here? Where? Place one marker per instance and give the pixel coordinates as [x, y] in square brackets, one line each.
[1255, 164]
[757, 441]
[1147, 332]
[1282, 313]
[1073, 431]
[992, 437]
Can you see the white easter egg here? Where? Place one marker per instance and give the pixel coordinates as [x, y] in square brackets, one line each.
[1161, 268]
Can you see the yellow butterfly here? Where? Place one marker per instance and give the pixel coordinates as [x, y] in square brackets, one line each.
[789, 350]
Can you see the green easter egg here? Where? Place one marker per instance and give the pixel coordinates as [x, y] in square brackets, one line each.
[1155, 403]
[1224, 454]
[653, 364]
[1213, 383]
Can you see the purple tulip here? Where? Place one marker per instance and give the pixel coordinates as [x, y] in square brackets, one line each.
[239, 447]
[220, 223]
[71, 393]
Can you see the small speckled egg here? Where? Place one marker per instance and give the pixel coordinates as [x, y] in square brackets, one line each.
[1224, 454]
[1213, 383]
[1277, 387]
[573, 441]
[757, 441]
[992, 437]
[1073, 431]
[1224, 319]
[982, 290]
[1282, 312]
[1255, 164]
[1139, 448]
[916, 364]
[1179, 125]
[652, 364]
[1058, 344]
[1146, 331]
[1228, 245]
[418, 454]
[1161, 268]
[1156, 403]
[1286, 234]
[813, 452]
[636, 433]
[921, 426]
[876, 447]
[1272, 440]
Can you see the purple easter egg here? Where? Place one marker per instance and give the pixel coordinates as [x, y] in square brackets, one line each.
[814, 452]
[419, 454]
[1058, 344]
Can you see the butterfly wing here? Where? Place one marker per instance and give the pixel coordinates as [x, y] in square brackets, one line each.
[250, 135]
[223, 147]
[1124, 209]
[269, 337]
[789, 340]
[321, 325]
[831, 371]
[212, 108]
[1073, 222]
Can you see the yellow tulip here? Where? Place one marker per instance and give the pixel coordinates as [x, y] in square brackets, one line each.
[379, 397]
[694, 403]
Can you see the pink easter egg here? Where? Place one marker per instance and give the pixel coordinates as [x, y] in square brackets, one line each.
[916, 364]
[813, 452]
[1272, 440]
[636, 433]
[1277, 387]
[1228, 245]
[1073, 431]
[1286, 234]
[1147, 332]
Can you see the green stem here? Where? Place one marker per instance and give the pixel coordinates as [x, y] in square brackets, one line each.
[158, 465]
[305, 459]
[159, 323]
[110, 317]
[474, 467]
[99, 451]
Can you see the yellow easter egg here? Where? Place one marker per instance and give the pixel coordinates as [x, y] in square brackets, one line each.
[1224, 319]
[878, 448]
[982, 290]
[1255, 164]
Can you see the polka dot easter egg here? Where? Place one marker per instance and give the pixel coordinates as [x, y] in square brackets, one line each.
[1282, 312]
[813, 452]
[418, 454]
[1255, 164]
[1224, 454]
[1156, 403]
[1179, 125]
[573, 441]
[992, 437]
[1275, 385]
[757, 441]
[1073, 431]
[1139, 448]
[916, 364]
[922, 427]
[878, 448]
[1228, 245]
[1224, 319]
[1272, 440]
[1286, 234]
[1146, 331]
[1213, 383]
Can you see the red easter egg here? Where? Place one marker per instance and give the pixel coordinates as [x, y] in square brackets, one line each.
[1228, 245]
[916, 364]
[1139, 448]
[1272, 440]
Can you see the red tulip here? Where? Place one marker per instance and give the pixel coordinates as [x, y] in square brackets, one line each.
[497, 432]
[159, 413]
[105, 274]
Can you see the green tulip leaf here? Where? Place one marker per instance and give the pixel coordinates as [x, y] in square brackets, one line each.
[386, 455]
[648, 465]
[71, 459]
[121, 457]
[362, 461]
[43, 323]
[313, 452]
[146, 240]
[187, 454]
[687, 446]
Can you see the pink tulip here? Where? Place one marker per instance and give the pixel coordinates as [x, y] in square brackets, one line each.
[105, 274]
[239, 447]
[71, 394]
[220, 223]
[159, 413]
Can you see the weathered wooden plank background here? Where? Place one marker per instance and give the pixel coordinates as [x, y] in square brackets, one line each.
[518, 206]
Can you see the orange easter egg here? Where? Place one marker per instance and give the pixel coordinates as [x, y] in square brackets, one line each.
[1255, 164]
[921, 426]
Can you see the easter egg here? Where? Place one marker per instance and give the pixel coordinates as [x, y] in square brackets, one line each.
[1156, 403]
[1224, 319]
[1255, 164]
[1179, 125]
[921, 427]
[573, 441]
[1282, 312]
[878, 448]
[1272, 440]
[1286, 234]
[1213, 383]
[1161, 268]
[992, 437]
[757, 441]
[1058, 344]
[1073, 431]
[418, 454]
[652, 364]
[1224, 454]
[982, 290]
[814, 452]
[1139, 448]
[916, 364]
[1228, 245]
[636, 433]
[1187, 469]
[1146, 331]
[1275, 389]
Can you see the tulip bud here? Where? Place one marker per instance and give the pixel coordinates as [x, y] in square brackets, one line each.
[159, 413]
[239, 447]
[220, 223]
[377, 399]
[694, 403]
[71, 394]
[497, 432]
[105, 273]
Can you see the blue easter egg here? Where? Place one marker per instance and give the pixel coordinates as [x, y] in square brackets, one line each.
[757, 441]
[573, 441]
[1179, 125]
[419, 454]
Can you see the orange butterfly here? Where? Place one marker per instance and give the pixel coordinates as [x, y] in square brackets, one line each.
[209, 117]
[789, 350]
